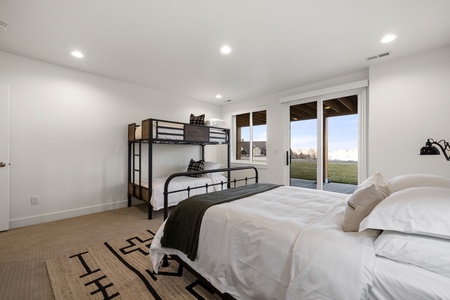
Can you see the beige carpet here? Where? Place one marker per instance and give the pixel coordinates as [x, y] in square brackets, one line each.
[120, 269]
[23, 251]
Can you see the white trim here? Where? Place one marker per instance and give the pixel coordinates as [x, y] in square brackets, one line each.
[320, 155]
[5, 189]
[65, 214]
[339, 88]
[233, 136]
[362, 135]
[246, 111]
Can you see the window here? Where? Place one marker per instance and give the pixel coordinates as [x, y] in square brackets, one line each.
[250, 136]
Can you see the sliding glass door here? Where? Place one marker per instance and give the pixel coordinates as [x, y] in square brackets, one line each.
[303, 122]
[325, 139]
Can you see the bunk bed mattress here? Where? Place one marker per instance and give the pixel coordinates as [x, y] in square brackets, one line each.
[166, 131]
[217, 135]
[286, 243]
[178, 183]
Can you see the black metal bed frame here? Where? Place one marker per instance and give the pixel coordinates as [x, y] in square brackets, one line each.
[231, 183]
[228, 183]
[192, 134]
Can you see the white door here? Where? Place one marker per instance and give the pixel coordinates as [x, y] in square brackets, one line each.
[4, 157]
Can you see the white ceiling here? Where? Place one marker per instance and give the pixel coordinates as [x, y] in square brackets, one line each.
[173, 45]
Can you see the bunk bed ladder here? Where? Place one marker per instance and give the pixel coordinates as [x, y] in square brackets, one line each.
[137, 170]
[135, 173]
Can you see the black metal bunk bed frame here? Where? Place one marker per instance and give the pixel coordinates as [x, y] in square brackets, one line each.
[184, 134]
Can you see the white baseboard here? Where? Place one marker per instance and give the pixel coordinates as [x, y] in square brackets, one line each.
[55, 216]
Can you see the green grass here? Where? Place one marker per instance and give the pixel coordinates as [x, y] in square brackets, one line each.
[340, 172]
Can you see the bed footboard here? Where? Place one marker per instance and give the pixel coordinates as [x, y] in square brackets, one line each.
[230, 183]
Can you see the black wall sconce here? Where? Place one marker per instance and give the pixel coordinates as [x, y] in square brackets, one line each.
[429, 149]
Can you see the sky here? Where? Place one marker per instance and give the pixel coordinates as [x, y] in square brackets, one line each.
[342, 136]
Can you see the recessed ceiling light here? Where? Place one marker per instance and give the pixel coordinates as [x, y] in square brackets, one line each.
[225, 50]
[218, 96]
[388, 38]
[77, 54]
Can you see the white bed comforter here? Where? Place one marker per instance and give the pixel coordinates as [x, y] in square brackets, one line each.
[286, 243]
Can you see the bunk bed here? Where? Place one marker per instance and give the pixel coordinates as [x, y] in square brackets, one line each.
[156, 131]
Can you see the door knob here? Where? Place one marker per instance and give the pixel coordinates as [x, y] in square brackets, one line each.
[2, 164]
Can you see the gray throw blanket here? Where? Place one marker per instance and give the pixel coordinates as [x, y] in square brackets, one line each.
[182, 228]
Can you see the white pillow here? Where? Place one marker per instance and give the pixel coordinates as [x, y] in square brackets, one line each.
[214, 122]
[418, 210]
[359, 206]
[210, 165]
[426, 252]
[378, 180]
[402, 182]
[138, 133]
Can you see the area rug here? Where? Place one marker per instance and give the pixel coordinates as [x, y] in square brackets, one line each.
[121, 269]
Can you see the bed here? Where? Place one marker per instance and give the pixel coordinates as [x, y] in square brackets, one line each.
[141, 183]
[295, 243]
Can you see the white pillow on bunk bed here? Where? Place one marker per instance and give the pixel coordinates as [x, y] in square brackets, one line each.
[214, 122]
[416, 210]
[402, 182]
[427, 252]
[210, 165]
[138, 133]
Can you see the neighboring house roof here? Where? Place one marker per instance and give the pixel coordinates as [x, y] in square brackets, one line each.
[260, 147]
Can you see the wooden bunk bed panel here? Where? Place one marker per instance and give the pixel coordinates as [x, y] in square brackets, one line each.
[196, 133]
[132, 132]
[146, 129]
[135, 191]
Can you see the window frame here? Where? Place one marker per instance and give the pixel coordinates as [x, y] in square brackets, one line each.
[234, 136]
[359, 88]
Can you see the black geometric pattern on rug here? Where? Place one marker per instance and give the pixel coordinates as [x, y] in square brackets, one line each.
[178, 273]
[101, 286]
[191, 290]
[135, 271]
[136, 245]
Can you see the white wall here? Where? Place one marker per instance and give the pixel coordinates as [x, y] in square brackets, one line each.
[409, 102]
[69, 138]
